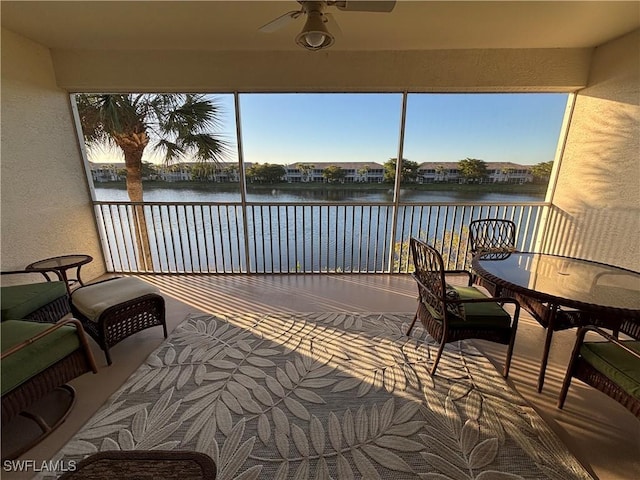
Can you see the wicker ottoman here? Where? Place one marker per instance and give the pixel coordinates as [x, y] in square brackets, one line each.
[115, 309]
[143, 465]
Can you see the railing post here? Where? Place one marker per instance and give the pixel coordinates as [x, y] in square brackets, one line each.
[243, 182]
[398, 181]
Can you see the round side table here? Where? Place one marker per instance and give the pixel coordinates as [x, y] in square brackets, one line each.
[61, 264]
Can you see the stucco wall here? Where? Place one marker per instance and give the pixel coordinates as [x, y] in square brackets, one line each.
[478, 70]
[46, 209]
[597, 199]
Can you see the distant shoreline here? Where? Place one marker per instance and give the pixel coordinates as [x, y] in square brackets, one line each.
[526, 188]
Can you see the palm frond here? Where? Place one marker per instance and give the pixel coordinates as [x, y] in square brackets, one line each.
[178, 125]
[206, 147]
[170, 151]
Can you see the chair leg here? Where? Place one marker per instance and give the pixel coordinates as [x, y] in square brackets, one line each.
[564, 390]
[545, 358]
[512, 341]
[107, 356]
[507, 361]
[437, 359]
[571, 367]
[415, 317]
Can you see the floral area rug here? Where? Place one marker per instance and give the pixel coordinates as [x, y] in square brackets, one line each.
[326, 395]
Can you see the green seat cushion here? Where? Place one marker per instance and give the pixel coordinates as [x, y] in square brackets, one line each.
[467, 292]
[614, 362]
[18, 301]
[40, 355]
[475, 315]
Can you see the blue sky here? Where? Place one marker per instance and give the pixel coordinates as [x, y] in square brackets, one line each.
[286, 128]
[311, 128]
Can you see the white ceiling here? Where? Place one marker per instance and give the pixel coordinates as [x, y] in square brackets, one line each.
[224, 25]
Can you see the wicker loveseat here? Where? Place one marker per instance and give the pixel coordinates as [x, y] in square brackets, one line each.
[37, 359]
[29, 298]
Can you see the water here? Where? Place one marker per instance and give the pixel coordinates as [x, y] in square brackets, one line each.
[205, 195]
[308, 236]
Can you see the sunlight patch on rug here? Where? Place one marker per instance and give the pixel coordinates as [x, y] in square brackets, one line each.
[325, 395]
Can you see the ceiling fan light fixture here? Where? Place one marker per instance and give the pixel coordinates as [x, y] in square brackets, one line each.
[314, 35]
[314, 39]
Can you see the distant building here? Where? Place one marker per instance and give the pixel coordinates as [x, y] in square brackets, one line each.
[105, 172]
[355, 172]
[175, 173]
[497, 172]
[301, 172]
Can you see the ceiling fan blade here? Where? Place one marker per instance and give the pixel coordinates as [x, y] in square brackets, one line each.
[366, 5]
[280, 22]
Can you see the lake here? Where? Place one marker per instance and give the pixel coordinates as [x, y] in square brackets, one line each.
[309, 231]
[205, 195]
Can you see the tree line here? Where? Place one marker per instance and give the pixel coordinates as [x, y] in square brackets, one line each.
[472, 170]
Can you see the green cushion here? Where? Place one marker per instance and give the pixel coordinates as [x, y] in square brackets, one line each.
[467, 292]
[480, 315]
[614, 362]
[476, 315]
[18, 301]
[33, 359]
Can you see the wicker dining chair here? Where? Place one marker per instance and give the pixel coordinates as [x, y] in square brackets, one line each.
[494, 236]
[450, 313]
[611, 366]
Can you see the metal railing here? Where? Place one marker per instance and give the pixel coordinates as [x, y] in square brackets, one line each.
[295, 237]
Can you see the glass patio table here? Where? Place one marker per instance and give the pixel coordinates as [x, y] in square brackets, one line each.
[594, 293]
[60, 265]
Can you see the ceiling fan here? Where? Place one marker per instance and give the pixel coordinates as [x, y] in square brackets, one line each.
[315, 35]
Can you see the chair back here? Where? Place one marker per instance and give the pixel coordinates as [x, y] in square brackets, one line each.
[429, 272]
[492, 235]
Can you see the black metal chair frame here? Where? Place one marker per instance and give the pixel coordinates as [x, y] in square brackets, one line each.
[430, 276]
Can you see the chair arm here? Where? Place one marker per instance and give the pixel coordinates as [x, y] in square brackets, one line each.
[43, 271]
[80, 331]
[421, 286]
[582, 332]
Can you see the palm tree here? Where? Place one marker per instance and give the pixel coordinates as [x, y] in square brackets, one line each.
[177, 126]
[305, 170]
[364, 173]
[542, 171]
[507, 172]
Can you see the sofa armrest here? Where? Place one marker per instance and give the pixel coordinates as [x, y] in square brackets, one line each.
[70, 321]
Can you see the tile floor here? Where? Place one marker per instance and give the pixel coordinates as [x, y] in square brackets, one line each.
[601, 434]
